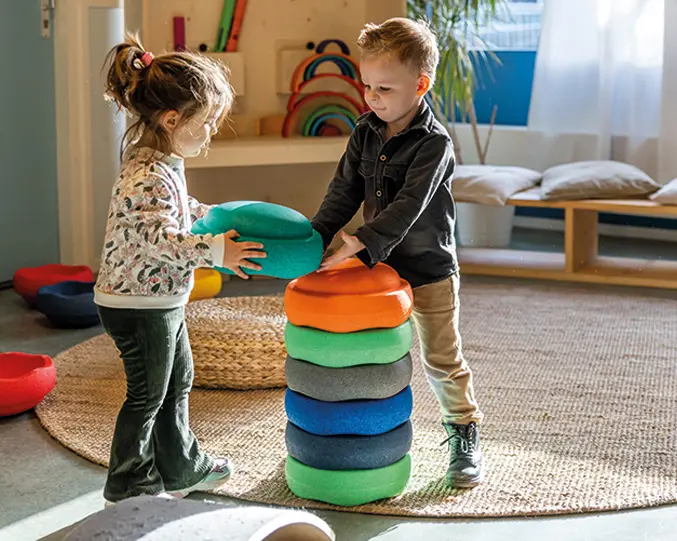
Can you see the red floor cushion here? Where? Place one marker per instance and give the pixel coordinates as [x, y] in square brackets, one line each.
[348, 298]
[29, 280]
[25, 380]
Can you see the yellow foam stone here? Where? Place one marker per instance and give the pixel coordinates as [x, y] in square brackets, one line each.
[207, 284]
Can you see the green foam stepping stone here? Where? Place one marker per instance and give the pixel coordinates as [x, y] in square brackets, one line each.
[292, 246]
[341, 350]
[347, 488]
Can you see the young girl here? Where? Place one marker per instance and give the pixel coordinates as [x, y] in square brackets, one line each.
[178, 101]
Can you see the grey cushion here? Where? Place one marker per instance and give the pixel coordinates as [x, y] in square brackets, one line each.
[596, 179]
[363, 382]
[349, 452]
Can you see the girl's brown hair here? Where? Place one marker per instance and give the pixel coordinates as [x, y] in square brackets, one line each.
[188, 83]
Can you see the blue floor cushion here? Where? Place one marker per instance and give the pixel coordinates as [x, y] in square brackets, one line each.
[292, 246]
[348, 452]
[356, 417]
[362, 382]
[341, 350]
[68, 304]
[347, 488]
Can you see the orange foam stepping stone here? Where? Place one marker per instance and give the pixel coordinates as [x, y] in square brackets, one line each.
[350, 297]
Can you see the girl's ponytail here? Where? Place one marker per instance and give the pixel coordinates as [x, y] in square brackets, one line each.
[128, 67]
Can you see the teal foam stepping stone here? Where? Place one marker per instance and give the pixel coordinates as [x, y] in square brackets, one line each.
[341, 350]
[292, 246]
[362, 382]
[347, 488]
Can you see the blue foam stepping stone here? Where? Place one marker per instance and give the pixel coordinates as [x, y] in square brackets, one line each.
[341, 350]
[362, 382]
[68, 304]
[292, 246]
[347, 487]
[348, 452]
[356, 417]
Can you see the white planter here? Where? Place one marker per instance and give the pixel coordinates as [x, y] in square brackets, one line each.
[484, 225]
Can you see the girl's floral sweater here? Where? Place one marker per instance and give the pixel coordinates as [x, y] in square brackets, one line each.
[149, 252]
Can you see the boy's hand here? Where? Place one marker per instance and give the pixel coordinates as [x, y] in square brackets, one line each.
[351, 245]
[235, 254]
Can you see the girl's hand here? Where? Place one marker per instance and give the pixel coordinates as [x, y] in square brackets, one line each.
[351, 245]
[236, 254]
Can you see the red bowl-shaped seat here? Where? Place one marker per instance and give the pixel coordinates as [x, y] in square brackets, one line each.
[24, 381]
[350, 297]
[28, 280]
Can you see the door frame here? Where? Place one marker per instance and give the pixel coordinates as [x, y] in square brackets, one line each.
[73, 130]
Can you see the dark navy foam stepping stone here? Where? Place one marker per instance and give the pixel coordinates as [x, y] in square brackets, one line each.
[347, 487]
[68, 305]
[363, 382]
[358, 417]
[348, 452]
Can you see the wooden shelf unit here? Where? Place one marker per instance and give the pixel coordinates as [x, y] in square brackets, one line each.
[270, 150]
[580, 261]
[270, 26]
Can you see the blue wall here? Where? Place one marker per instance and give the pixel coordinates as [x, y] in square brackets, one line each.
[508, 85]
[28, 190]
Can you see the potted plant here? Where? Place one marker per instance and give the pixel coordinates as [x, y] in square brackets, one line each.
[457, 24]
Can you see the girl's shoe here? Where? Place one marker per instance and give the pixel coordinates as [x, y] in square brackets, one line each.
[219, 474]
[165, 495]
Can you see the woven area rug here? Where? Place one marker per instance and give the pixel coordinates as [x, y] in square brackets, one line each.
[578, 386]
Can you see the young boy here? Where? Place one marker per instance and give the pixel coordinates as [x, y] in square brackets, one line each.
[399, 163]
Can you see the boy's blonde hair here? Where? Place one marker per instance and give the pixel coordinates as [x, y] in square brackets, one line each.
[192, 84]
[412, 41]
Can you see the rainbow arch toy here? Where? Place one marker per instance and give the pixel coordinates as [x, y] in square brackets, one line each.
[324, 112]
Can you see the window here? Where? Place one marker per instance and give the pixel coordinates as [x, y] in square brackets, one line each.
[516, 27]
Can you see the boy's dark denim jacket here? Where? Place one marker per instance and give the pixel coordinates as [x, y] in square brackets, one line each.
[405, 185]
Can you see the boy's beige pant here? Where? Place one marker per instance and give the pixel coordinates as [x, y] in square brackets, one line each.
[436, 316]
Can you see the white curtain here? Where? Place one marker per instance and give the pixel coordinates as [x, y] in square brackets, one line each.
[606, 68]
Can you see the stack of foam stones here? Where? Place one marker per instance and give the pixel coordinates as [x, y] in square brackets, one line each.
[348, 372]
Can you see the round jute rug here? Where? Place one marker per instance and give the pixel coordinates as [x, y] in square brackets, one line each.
[577, 384]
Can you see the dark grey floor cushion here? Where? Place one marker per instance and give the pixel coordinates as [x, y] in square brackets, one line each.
[349, 452]
[366, 381]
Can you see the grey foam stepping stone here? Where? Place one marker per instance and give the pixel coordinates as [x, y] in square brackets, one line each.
[362, 382]
[348, 452]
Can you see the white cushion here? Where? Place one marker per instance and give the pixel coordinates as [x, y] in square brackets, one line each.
[667, 195]
[595, 180]
[491, 184]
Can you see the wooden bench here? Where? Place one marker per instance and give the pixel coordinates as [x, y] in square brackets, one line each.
[580, 261]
